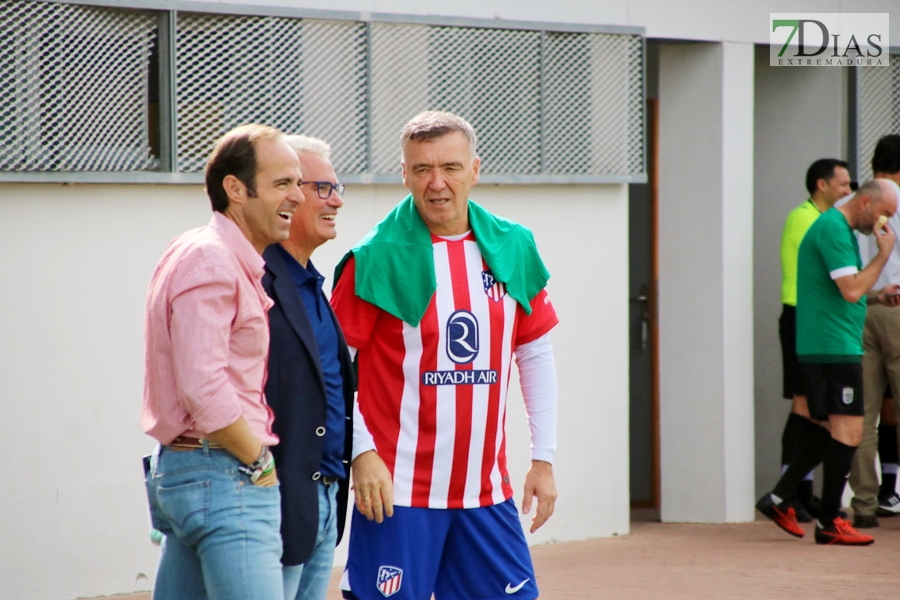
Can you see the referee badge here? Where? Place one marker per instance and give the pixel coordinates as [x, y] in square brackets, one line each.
[847, 395]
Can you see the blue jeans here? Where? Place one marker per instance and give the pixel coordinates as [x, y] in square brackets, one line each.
[222, 538]
[309, 581]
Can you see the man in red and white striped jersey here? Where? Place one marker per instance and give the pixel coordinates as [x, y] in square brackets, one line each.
[437, 300]
[211, 482]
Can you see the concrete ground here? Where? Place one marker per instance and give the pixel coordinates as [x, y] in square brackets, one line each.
[748, 560]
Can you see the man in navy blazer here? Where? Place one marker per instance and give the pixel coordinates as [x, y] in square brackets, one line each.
[310, 384]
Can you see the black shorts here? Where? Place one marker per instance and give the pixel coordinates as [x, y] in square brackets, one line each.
[793, 381]
[834, 389]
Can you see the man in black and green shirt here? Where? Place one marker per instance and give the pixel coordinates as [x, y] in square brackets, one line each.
[832, 290]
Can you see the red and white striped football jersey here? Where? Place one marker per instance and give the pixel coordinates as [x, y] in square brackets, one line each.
[434, 396]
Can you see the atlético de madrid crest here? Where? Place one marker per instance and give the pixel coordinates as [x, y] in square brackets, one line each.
[494, 289]
[389, 580]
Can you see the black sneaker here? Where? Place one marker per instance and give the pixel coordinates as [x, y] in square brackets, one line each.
[888, 506]
[840, 533]
[802, 515]
[813, 506]
[783, 515]
[865, 521]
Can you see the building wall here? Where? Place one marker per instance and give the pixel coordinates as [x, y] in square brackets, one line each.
[701, 20]
[77, 260]
[705, 281]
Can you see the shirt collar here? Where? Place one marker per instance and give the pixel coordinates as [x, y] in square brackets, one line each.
[250, 259]
[300, 273]
[468, 235]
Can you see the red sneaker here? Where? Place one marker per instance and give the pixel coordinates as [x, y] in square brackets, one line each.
[784, 516]
[841, 533]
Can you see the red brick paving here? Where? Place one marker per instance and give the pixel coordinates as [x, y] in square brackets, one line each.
[748, 560]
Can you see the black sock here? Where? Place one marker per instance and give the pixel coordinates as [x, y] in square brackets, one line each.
[808, 458]
[805, 490]
[791, 438]
[887, 455]
[796, 430]
[836, 467]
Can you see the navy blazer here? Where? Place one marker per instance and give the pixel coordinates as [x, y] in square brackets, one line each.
[295, 389]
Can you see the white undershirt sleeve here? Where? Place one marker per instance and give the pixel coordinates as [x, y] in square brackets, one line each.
[362, 439]
[537, 374]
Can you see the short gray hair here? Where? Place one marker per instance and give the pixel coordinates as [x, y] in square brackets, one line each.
[433, 124]
[872, 189]
[304, 144]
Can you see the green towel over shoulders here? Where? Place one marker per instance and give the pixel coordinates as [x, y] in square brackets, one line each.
[395, 261]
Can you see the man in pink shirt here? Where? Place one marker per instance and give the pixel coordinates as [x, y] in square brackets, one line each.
[212, 484]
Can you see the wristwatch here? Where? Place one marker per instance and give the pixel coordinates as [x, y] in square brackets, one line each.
[263, 465]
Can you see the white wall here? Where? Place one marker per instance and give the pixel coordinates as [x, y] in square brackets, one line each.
[76, 263]
[706, 20]
[737, 265]
[77, 260]
[706, 281]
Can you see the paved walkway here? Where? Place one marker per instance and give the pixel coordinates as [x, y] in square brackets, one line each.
[749, 560]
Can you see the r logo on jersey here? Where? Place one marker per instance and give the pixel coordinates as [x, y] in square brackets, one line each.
[389, 580]
[462, 337]
[493, 288]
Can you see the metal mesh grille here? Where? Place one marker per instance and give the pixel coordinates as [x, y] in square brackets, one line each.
[879, 109]
[594, 103]
[593, 96]
[301, 76]
[79, 87]
[74, 88]
[493, 78]
[490, 76]
[394, 101]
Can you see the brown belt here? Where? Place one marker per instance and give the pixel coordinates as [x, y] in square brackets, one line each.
[183, 442]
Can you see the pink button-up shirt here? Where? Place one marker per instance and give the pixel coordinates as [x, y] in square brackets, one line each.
[207, 336]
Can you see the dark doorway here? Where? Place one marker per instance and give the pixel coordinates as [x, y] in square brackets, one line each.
[643, 328]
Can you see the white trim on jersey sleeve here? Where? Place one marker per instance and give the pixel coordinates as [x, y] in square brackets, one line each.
[362, 439]
[537, 375]
[843, 272]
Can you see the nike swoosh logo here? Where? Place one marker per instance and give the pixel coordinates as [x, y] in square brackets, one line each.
[513, 590]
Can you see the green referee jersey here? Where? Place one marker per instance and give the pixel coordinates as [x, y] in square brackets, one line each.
[829, 329]
[798, 222]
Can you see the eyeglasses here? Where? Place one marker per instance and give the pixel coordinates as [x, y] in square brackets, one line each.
[324, 188]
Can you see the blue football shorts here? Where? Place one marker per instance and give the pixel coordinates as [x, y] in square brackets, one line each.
[457, 554]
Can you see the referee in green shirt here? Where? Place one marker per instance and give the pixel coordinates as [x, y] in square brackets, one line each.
[832, 290]
[827, 181]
